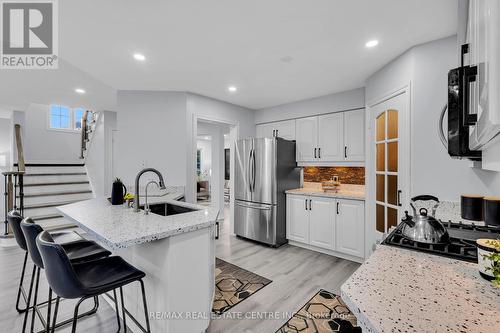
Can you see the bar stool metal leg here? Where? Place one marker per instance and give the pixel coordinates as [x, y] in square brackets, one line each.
[48, 310]
[145, 306]
[35, 296]
[75, 315]
[55, 315]
[19, 291]
[123, 311]
[29, 299]
[117, 311]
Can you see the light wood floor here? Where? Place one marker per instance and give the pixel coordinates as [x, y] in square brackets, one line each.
[297, 274]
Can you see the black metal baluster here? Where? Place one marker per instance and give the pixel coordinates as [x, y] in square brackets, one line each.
[6, 194]
[21, 194]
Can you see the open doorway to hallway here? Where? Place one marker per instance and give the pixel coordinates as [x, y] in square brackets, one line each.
[213, 155]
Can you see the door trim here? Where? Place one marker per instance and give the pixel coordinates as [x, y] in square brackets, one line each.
[370, 232]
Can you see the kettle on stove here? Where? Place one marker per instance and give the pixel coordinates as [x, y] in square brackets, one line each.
[422, 227]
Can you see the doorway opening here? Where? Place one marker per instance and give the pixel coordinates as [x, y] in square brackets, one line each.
[213, 164]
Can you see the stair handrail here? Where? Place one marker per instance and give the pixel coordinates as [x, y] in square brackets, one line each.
[14, 183]
[20, 152]
[84, 135]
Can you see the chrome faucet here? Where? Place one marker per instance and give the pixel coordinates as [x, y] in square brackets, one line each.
[146, 205]
[137, 178]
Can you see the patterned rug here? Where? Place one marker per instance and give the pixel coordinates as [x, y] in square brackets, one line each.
[233, 284]
[324, 313]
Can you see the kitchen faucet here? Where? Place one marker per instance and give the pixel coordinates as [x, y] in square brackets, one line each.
[146, 205]
[137, 178]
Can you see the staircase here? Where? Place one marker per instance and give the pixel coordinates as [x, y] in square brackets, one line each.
[47, 186]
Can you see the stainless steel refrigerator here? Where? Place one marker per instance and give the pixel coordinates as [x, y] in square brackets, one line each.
[265, 169]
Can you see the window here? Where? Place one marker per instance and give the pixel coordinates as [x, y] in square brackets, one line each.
[60, 117]
[64, 118]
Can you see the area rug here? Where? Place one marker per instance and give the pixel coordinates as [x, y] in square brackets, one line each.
[233, 284]
[323, 313]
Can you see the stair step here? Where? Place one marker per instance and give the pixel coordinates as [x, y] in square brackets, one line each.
[46, 217]
[56, 183]
[49, 204]
[47, 194]
[55, 174]
[55, 179]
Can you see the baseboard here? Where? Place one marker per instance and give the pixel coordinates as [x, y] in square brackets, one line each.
[329, 252]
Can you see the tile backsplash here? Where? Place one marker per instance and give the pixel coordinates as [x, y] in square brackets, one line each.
[347, 175]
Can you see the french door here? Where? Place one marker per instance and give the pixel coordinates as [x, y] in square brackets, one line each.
[391, 168]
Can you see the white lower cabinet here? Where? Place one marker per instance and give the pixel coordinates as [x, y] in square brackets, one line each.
[335, 225]
[322, 222]
[297, 218]
[350, 227]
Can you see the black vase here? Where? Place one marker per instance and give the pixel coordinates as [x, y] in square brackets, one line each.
[118, 191]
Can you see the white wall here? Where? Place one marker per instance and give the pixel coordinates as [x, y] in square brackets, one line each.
[347, 100]
[98, 154]
[159, 129]
[425, 68]
[42, 144]
[151, 133]
[6, 135]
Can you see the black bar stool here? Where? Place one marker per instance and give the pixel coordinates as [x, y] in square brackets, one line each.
[80, 251]
[14, 219]
[89, 279]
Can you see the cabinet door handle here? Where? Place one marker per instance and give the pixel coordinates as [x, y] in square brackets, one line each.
[338, 208]
[306, 203]
[277, 131]
[315, 150]
[319, 152]
[345, 151]
[217, 230]
[310, 204]
[399, 198]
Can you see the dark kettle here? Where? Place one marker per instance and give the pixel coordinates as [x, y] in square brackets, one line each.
[118, 192]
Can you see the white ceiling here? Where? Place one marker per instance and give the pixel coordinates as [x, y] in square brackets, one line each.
[204, 46]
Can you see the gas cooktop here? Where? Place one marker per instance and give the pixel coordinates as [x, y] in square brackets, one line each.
[462, 244]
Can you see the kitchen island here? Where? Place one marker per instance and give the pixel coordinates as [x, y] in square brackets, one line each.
[399, 290]
[175, 251]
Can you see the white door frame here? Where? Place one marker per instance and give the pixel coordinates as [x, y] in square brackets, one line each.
[370, 213]
[190, 191]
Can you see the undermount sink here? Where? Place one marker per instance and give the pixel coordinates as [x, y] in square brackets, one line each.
[167, 209]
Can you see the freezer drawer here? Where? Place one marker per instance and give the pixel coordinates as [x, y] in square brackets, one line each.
[255, 221]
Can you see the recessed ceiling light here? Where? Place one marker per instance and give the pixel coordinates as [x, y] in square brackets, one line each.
[232, 89]
[80, 91]
[371, 43]
[139, 57]
[286, 59]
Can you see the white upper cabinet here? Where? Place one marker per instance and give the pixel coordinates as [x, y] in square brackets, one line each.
[265, 130]
[322, 222]
[349, 230]
[354, 135]
[331, 137]
[283, 129]
[306, 134]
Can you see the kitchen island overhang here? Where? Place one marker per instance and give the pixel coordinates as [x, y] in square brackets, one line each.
[176, 252]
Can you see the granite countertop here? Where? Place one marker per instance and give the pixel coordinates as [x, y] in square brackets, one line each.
[399, 290]
[118, 227]
[345, 192]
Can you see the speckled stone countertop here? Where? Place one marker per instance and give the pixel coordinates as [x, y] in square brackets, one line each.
[399, 290]
[353, 192]
[118, 227]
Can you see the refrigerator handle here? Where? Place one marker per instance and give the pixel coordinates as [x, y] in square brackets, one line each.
[249, 177]
[252, 162]
[253, 170]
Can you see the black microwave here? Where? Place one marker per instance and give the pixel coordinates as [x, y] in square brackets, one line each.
[459, 117]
